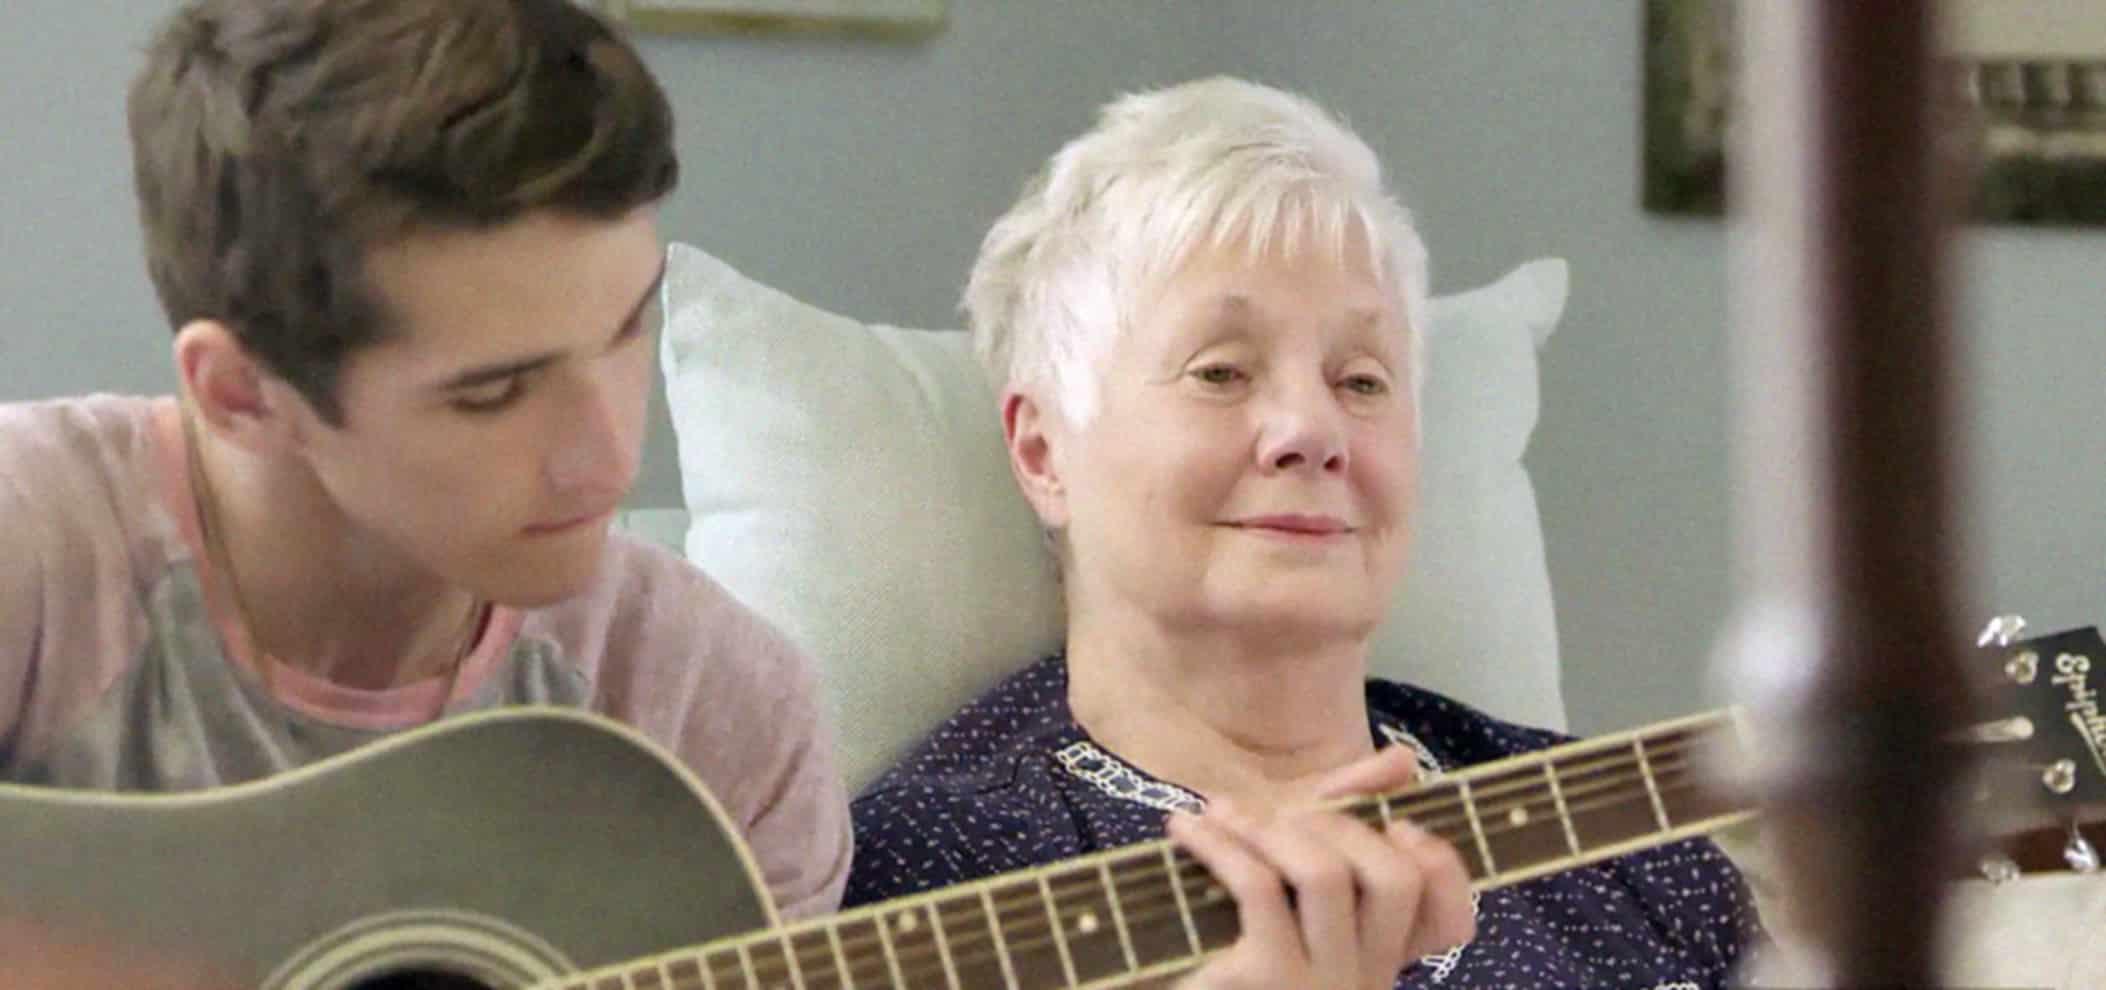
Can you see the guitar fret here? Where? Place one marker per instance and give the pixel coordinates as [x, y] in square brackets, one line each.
[833, 941]
[1111, 896]
[1059, 928]
[891, 955]
[677, 978]
[1001, 943]
[789, 956]
[943, 946]
[1484, 848]
[746, 967]
[1652, 787]
[709, 973]
[1177, 890]
[1557, 795]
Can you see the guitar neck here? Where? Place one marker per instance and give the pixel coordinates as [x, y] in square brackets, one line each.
[1127, 914]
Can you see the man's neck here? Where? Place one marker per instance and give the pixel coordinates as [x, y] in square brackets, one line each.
[316, 591]
[1221, 713]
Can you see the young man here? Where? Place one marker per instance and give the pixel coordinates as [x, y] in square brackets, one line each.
[408, 253]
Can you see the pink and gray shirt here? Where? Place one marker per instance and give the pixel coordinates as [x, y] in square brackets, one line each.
[119, 672]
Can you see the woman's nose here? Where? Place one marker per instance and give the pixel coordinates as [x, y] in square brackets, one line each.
[1304, 435]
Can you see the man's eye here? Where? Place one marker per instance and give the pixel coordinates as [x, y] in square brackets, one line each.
[640, 327]
[1219, 374]
[489, 398]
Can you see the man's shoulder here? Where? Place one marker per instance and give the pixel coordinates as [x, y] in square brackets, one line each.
[651, 621]
[644, 589]
[77, 468]
[61, 439]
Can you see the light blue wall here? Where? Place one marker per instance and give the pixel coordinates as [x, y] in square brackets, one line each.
[78, 312]
[860, 175]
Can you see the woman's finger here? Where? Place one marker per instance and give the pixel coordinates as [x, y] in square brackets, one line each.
[1445, 917]
[1326, 900]
[1389, 885]
[1389, 769]
[1269, 948]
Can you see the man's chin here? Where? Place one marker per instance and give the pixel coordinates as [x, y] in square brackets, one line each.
[532, 584]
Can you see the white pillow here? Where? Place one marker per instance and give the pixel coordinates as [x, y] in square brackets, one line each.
[848, 482]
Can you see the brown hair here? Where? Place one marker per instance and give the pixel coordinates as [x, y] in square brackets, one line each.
[277, 142]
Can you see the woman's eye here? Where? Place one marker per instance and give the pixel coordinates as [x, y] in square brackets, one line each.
[1219, 374]
[1367, 384]
[489, 398]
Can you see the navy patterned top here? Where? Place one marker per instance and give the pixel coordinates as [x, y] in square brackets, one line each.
[1011, 781]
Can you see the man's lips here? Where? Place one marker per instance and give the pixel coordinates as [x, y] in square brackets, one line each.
[561, 525]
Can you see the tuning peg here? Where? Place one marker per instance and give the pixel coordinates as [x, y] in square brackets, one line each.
[2059, 776]
[2017, 728]
[2001, 631]
[2080, 854]
[1998, 868]
[2022, 668]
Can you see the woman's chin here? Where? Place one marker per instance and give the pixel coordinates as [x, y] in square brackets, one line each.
[1315, 615]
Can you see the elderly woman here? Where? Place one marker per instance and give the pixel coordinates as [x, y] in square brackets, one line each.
[1204, 321]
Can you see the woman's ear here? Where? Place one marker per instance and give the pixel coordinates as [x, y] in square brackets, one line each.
[1032, 433]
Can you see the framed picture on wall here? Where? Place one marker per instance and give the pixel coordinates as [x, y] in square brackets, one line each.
[2023, 90]
[881, 17]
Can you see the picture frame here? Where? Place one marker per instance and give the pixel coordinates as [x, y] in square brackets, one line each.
[2025, 112]
[908, 19]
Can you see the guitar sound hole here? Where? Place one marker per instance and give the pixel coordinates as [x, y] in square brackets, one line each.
[421, 980]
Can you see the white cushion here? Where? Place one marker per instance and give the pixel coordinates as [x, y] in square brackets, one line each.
[848, 481]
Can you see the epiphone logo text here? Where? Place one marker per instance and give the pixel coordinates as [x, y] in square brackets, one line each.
[2072, 670]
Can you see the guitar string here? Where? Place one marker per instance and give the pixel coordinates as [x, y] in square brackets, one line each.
[963, 948]
[916, 962]
[1028, 900]
[823, 963]
[1664, 767]
[827, 965]
[1152, 872]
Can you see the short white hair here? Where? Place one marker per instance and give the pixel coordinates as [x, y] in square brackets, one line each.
[1164, 174]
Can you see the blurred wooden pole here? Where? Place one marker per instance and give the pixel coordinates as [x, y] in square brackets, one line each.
[1845, 464]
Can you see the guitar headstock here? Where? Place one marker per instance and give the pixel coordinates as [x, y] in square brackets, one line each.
[2044, 747]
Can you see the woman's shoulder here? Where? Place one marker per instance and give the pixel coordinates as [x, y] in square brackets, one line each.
[1459, 734]
[976, 796]
[980, 746]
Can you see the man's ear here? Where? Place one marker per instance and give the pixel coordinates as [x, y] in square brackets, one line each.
[232, 393]
[1032, 433]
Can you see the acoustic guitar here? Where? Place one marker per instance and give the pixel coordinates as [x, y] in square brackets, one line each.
[551, 849]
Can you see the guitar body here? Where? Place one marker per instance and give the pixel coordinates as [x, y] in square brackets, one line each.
[498, 849]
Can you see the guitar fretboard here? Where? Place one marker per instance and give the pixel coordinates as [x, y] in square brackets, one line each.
[1130, 913]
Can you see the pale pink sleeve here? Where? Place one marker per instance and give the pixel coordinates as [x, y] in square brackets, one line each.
[21, 607]
[788, 789]
[71, 620]
[740, 705]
